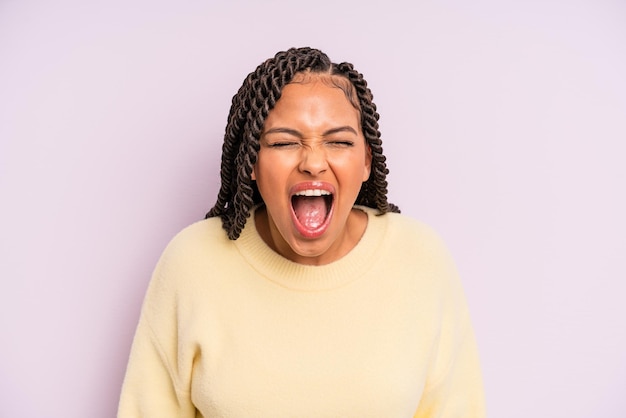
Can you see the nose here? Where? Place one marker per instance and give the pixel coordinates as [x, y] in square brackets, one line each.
[313, 161]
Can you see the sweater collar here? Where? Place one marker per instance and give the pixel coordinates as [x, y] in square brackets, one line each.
[286, 273]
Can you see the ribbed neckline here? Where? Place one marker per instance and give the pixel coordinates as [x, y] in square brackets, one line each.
[286, 273]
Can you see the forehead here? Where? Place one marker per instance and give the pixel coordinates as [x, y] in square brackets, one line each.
[330, 80]
[312, 105]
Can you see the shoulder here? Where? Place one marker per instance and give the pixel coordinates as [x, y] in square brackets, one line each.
[413, 230]
[199, 243]
[193, 259]
[410, 244]
[405, 231]
[409, 224]
[200, 235]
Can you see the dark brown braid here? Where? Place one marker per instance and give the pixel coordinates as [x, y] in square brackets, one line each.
[250, 106]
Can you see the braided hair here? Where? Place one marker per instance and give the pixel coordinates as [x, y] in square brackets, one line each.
[250, 107]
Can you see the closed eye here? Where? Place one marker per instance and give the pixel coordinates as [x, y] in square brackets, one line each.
[341, 143]
[283, 144]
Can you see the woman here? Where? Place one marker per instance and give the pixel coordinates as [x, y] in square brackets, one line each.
[304, 293]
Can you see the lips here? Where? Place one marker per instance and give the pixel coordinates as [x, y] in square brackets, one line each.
[312, 205]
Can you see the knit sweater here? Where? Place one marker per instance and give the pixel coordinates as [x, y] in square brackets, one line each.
[233, 329]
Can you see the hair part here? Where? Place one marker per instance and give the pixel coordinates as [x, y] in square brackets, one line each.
[250, 107]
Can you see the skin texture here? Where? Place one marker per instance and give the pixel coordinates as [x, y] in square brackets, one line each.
[312, 138]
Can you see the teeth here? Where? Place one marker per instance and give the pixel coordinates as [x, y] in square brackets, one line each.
[313, 192]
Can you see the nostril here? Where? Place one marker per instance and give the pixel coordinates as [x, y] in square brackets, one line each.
[313, 162]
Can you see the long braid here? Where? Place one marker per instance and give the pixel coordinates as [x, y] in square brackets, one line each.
[250, 107]
[374, 191]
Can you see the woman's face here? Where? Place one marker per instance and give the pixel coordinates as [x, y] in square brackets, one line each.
[311, 164]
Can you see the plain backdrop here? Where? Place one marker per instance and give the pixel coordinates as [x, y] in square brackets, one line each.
[504, 124]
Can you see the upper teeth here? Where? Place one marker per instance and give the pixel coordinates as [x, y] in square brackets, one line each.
[313, 192]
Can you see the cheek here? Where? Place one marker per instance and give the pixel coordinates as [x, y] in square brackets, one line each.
[268, 180]
[355, 167]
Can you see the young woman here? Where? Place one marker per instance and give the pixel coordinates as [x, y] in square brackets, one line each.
[304, 293]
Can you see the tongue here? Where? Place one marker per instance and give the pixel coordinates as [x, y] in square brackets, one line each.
[310, 210]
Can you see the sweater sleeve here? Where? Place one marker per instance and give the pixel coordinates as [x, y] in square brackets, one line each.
[156, 382]
[454, 387]
[458, 393]
[149, 389]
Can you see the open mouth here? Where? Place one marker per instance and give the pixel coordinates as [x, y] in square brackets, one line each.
[312, 209]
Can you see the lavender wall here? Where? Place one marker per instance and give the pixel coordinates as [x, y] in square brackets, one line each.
[504, 124]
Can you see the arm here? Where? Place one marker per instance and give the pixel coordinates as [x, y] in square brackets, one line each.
[458, 391]
[150, 388]
[157, 381]
[454, 387]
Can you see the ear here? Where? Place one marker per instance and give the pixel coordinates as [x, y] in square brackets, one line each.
[367, 169]
[253, 175]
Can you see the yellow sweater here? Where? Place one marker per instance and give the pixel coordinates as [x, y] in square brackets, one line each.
[232, 329]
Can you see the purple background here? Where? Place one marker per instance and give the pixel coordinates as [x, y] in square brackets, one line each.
[504, 123]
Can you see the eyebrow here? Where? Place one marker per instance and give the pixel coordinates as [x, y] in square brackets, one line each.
[299, 134]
